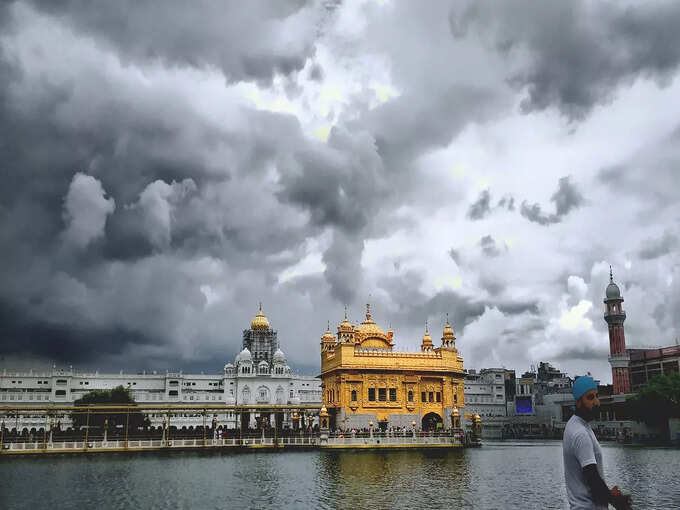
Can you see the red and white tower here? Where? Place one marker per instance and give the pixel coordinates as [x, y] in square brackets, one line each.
[618, 356]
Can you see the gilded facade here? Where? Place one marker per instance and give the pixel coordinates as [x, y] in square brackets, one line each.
[365, 380]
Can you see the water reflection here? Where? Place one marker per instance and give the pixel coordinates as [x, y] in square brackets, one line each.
[499, 475]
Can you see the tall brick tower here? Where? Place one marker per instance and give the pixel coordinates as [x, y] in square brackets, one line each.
[618, 356]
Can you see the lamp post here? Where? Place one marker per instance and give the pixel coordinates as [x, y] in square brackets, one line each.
[413, 424]
[370, 429]
[51, 428]
[163, 436]
[106, 429]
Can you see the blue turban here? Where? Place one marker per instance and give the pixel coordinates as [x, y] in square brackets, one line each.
[583, 385]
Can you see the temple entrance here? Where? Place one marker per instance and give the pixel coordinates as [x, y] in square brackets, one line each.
[245, 421]
[382, 425]
[431, 421]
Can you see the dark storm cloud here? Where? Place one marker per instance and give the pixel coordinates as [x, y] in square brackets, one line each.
[28, 336]
[335, 183]
[566, 198]
[584, 351]
[578, 53]
[492, 284]
[507, 202]
[480, 207]
[655, 248]
[252, 43]
[415, 307]
[81, 274]
[455, 255]
[343, 266]
[489, 247]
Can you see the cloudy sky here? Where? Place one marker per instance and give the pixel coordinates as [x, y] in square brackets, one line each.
[168, 165]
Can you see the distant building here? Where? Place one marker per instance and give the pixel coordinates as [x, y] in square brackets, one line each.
[648, 363]
[485, 392]
[263, 378]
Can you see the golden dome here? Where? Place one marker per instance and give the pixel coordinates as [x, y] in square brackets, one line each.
[345, 326]
[259, 321]
[369, 328]
[427, 339]
[448, 331]
[328, 336]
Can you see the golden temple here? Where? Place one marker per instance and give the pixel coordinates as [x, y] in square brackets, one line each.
[366, 382]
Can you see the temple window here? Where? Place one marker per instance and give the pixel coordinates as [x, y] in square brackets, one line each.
[393, 394]
[423, 397]
[439, 396]
[382, 394]
[410, 396]
[431, 396]
[371, 394]
[354, 396]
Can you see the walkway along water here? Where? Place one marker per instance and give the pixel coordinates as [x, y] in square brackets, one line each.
[114, 433]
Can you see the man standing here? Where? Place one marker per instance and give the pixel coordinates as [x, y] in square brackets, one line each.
[583, 468]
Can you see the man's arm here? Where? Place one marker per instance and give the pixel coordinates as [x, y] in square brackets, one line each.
[601, 494]
[598, 489]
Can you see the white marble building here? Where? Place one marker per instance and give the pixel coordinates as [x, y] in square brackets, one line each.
[245, 382]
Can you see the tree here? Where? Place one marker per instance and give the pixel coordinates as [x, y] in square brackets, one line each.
[117, 396]
[658, 401]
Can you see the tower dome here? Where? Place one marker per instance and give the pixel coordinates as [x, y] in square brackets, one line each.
[243, 356]
[259, 321]
[613, 291]
[279, 358]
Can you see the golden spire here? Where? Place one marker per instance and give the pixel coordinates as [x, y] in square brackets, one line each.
[345, 326]
[427, 340]
[368, 312]
[260, 321]
[448, 337]
[328, 336]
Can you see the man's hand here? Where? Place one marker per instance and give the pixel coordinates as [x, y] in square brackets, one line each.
[619, 500]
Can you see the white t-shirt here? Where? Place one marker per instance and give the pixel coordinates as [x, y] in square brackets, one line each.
[579, 449]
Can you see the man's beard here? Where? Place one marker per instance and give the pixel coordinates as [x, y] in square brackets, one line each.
[588, 414]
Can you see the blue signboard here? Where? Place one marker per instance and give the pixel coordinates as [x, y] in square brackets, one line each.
[523, 405]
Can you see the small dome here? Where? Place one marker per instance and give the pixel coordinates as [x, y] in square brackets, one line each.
[244, 355]
[259, 321]
[427, 339]
[613, 291]
[279, 358]
[345, 326]
[263, 364]
[328, 336]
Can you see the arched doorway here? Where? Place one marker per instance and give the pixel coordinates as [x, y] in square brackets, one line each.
[430, 421]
